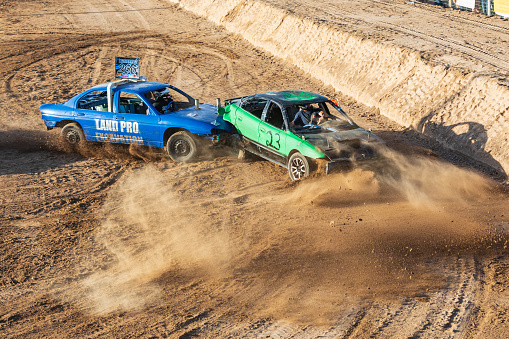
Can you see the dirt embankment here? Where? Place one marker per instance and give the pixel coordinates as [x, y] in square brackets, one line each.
[465, 109]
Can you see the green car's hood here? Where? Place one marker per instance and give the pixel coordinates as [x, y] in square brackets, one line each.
[340, 143]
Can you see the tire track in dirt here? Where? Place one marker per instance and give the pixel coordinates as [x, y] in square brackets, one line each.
[498, 62]
[97, 67]
[490, 276]
[48, 56]
[452, 307]
[69, 194]
[14, 85]
[501, 63]
[384, 17]
[101, 20]
[444, 313]
[38, 50]
[438, 11]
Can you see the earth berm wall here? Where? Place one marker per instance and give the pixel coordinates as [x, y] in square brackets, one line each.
[466, 111]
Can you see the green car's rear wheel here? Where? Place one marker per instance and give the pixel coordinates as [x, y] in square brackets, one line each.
[298, 166]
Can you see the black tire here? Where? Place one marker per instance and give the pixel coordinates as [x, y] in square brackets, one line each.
[181, 147]
[73, 135]
[298, 166]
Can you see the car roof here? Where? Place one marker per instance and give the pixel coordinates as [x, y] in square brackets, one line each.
[134, 86]
[288, 98]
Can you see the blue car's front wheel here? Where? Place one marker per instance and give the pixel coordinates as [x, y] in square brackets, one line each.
[181, 147]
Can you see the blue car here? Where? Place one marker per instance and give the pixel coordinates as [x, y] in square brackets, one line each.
[138, 112]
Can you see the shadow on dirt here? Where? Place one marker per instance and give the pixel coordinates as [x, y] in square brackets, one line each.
[467, 137]
[30, 151]
[411, 142]
[24, 141]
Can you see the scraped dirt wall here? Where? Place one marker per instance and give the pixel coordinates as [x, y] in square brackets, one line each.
[466, 111]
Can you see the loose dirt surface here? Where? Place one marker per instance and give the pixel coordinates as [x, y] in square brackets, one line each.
[121, 242]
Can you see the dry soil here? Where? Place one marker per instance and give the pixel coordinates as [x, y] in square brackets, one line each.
[121, 242]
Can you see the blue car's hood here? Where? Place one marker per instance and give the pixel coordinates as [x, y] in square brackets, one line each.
[206, 114]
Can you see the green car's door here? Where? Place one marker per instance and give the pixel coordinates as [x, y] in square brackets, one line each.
[272, 135]
[248, 118]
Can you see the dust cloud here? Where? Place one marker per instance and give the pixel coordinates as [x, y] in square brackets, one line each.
[387, 226]
[148, 230]
[424, 182]
[353, 240]
[427, 182]
[123, 152]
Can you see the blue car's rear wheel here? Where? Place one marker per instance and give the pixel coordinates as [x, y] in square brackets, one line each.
[73, 135]
[181, 147]
[298, 166]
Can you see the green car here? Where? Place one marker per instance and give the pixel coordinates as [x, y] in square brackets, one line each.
[299, 130]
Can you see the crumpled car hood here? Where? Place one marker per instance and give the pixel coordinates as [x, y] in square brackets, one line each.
[344, 144]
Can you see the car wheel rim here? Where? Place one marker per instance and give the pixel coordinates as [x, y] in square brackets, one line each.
[181, 148]
[73, 137]
[298, 168]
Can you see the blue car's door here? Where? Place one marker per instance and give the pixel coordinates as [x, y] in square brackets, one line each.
[137, 123]
[91, 112]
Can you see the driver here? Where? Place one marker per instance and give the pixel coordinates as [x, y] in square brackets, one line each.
[303, 116]
[319, 117]
[160, 100]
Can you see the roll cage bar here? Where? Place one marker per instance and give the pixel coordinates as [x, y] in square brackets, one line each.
[114, 84]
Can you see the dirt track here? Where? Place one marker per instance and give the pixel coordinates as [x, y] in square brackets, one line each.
[121, 242]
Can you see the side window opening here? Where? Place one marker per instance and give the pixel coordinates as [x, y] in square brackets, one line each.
[291, 111]
[132, 104]
[167, 100]
[95, 101]
[255, 106]
[275, 116]
[181, 101]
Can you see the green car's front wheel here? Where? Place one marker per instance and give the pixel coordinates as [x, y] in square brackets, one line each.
[298, 166]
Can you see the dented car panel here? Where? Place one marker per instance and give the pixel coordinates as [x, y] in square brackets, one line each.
[270, 127]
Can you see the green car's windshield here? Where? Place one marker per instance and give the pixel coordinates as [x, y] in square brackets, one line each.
[318, 117]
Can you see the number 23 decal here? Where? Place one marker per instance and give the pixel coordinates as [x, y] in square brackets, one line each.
[273, 143]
